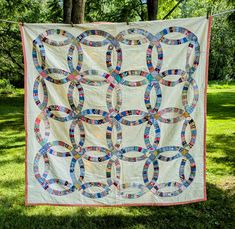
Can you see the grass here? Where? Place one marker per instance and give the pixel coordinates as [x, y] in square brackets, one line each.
[216, 212]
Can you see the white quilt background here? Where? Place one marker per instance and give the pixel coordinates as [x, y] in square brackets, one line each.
[153, 75]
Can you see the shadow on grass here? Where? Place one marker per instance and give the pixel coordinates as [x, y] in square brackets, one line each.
[16, 160]
[221, 105]
[225, 144]
[12, 184]
[11, 141]
[12, 122]
[17, 100]
[216, 212]
[15, 146]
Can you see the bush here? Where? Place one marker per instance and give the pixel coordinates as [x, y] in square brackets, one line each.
[6, 87]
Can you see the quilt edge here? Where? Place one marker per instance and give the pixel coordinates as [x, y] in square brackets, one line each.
[25, 114]
[118, 205]
[210, 19]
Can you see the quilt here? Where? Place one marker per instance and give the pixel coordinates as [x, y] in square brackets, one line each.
[115, 113]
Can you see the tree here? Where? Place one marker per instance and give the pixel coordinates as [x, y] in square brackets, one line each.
[67, 8]
[11, 60]
[74, 11]
[11, 57]
[78, 11]
[152, 6]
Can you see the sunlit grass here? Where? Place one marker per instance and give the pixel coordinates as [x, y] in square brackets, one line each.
[218, 211]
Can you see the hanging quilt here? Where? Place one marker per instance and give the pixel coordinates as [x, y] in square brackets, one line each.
[115, 113]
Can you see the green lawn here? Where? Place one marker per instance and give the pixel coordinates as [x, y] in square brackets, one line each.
[216, 212]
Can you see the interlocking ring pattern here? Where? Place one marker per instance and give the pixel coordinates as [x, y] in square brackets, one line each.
[152, 154]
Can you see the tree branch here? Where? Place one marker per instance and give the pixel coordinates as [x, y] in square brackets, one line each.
[8, 53]
[171, 11]
[139, 14]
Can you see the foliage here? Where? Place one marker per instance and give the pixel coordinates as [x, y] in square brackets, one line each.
[222, 45]
[216, 212]
[55, 11]
[222, 39]
[222, 51]
[11, 58]
[6, 87]
[115, 11]
[125, 10]
[11, 65]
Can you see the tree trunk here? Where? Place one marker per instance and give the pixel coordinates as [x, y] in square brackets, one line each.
[67, 8]
[152, 6]
[78, 11]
